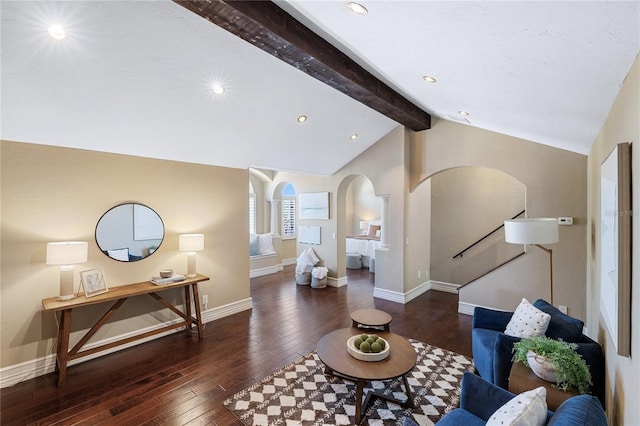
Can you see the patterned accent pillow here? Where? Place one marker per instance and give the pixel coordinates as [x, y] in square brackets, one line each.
[527, 409]
[527, 321]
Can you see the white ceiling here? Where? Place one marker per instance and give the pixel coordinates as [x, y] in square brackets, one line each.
[134, 77]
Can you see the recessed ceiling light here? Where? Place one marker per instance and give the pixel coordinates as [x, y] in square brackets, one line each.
[302, 118]
[217, 89]
[429, 79]
[57, 31]
[353, 136]
[357, 8]
[465, 113]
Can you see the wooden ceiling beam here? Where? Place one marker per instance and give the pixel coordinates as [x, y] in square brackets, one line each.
[267, 26]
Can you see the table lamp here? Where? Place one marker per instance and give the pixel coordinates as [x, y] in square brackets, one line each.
[191, 243]
[66, 254]
[534, 231]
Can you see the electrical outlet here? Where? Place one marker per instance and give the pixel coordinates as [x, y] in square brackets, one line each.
[419, 273]
[205, 299]
[563, 309]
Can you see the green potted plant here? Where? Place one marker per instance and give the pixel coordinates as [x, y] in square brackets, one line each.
[571, 370]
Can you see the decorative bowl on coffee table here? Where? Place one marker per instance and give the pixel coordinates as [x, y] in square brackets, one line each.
[367, 356]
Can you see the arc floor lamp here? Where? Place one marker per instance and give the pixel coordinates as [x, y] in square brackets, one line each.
[536, 231]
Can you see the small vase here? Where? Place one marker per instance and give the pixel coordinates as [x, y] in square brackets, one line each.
[541, 367]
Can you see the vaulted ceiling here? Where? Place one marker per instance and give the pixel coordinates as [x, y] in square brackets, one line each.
[136, 77]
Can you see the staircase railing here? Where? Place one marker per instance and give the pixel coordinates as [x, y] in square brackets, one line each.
[460, 254]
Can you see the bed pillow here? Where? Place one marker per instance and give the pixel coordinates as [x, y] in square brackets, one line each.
[526, 409]
[527, 321]
[265, 243]
[119, 254]
[254, 245]
[373, 229]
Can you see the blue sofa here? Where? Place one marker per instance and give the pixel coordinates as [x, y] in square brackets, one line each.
[479, 399]
[493, 350]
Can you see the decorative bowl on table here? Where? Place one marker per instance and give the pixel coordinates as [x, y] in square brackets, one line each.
[166, 273]
[367, 355]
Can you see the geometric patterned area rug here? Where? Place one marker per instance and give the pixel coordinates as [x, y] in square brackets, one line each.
[301, 394]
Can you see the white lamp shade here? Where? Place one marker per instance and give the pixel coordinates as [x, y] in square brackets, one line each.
[191, 242]
[531, 231]
[67, 252]
[364, 224]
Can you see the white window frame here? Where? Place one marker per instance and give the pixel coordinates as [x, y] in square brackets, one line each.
[252, 210]
[288, 214]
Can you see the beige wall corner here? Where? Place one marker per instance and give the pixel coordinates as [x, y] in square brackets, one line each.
[555, 182]
[623, 373]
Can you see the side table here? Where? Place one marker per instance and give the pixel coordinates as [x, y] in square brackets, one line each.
[522, 379]
[371, 319]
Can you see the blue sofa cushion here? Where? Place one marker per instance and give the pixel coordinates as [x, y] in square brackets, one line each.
[562, 326]
[583, 410]
[459, 417]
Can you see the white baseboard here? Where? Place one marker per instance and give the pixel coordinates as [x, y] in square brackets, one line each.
[390, 295]
[290, 261]
[405, 298]
[265, 271]
[443, 286]
[466, 308]
[13, 374]
[337, 282]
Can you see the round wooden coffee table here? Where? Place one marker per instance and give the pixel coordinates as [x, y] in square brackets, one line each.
[371, 318]
[332, 350]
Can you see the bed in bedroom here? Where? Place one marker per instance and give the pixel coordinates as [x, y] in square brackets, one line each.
[365, 244]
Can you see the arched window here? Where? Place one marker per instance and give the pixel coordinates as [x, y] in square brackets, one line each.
[288, 211]
[252, 210]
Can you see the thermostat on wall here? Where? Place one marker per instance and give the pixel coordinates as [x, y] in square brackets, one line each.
[565, 221]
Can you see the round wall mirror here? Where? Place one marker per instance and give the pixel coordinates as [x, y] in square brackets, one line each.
[129, 232]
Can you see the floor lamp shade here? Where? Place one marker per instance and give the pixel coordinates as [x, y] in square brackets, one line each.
[536, 231]
[191, 243]
[531, 231]
[66, 254]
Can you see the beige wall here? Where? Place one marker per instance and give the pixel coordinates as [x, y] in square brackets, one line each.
[466, 204]
[555, 181]
[384, 165]
[56, 194]
[623, 374]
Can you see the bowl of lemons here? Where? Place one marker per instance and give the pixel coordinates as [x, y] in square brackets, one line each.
[368, 347]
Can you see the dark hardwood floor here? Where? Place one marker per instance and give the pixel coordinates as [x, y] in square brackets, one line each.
[178, 380]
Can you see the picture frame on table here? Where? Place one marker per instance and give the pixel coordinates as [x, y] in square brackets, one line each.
[93, 282]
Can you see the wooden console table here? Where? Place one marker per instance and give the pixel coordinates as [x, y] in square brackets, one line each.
[120, 294]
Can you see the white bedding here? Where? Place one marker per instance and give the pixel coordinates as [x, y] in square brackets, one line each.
[365, 247]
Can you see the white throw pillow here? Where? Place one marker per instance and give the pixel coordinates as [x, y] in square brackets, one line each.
[527, 321]
[527, 409]
[265, 243]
